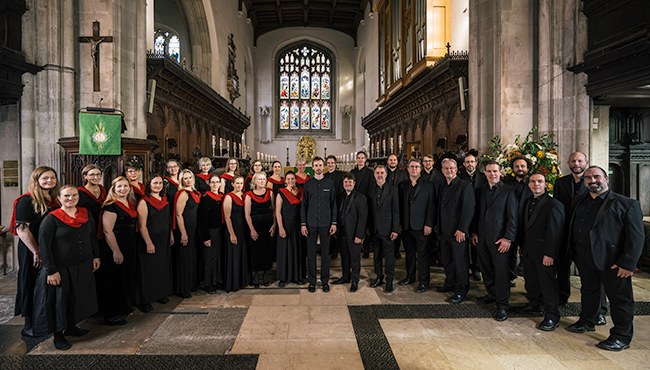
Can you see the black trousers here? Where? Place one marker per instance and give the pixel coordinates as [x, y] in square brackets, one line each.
[350, 258]
[454, 261]
[494, 266]
[541, 286]
[563, 266]
[433, 243]
[383, 244]
[472, 255]
[512, 261]
[415, 245]
[619, 292]
[397, 243]
[312, 257]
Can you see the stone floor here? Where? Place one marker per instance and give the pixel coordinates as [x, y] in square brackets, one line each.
[290, 328]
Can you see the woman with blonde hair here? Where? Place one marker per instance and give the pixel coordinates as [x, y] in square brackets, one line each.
[29, 210]
[232, 170]
[256, 167]
[301, 176]
[118, 252]
[186, 207]
[201, 182]
[237, 275]
[258, 208]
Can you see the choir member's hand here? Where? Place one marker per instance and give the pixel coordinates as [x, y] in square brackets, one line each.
[283, 233]
[474, 239]
[96, 263]
[272, 230]
[357, 240]
[427, 230]
[504, 245]
[622, 273]
[208, 243]
[118, 258]
[151, 249]
[254, 235]
[54, 279]
[171, 239]
[184, 240]
[332, 229]
[393, 236]
[38, 262]
[367, 231]
[547, 261]
[460, 236]
[303, 230]
[233, 239]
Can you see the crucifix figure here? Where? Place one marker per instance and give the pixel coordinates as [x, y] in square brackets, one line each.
[94, 41]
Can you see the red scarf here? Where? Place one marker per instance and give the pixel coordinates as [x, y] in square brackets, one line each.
[227, 176]
[130, 209]
[157, 204]
[293, 199]
[80, 217]
[277, 182]
[172, 181]
[194, 194]
[301, 181]
[138, 189]
[215, 197]
[12, 228]
[235, 198]
[259, 199]
[102, 195]
[204, 177]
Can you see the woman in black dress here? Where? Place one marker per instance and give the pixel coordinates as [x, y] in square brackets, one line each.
[29, 210]
[276, 181]
[202, 180]
[232, 170]
[301, 175]
[92, 195]
[133, 170]
[237, 275]
[65, 289]
[258, 210]
[118, 252]
[171, 180]
[185, 234]
[210, 230]
[256, 167]
[154, 247]
[287, 213]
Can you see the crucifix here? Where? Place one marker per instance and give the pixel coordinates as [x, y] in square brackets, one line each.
[94, 41]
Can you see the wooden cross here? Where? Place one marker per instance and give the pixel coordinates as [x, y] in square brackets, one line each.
[94, 41]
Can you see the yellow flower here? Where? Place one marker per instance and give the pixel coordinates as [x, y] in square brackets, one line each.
[550, 187]
[553, 169]
[540, 154]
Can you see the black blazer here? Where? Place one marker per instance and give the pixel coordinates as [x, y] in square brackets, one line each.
[337, 178]
[421, 212]
[400, 175]
[617, 235]
[564, 191]
[479, 178]
[385, 216]
[353, 217]
[499, 218]
[435, 176]
[542, 232]
[526, 194]
[364, 179]
[457, 211]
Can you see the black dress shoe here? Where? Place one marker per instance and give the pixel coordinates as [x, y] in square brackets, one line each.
[476, 276]
[486, 299]
[365, 255]
[601, 320]
[406, 281]
[398, 255]
[444, 289]
[76, 332]
[281, 284]
[185, 295]
[377, 283]
[612, 344]
[60, 342]
[116, 321]
[340, 281]
[580, 327]
[256, 286]
[529, 309]
[456, 298]
[501, 315]
[353, 287]
[334, 255]
[210, 289]
[312, 288]
[146, 308]
[421, 288]
[388, 288]
[163, 300]
[549, 324]
[266, 283]
[326, 288]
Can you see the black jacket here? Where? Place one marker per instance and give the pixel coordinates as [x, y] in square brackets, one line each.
[337, 178]
[563, 191]
[435, 176]
[318, 207]
[395, 177]
[353, 217]
[457, 211]
[499, 218]
[364, 179]
[543, 230]
[523, 193]
[479, 178]
[385, 215]
[419, 211]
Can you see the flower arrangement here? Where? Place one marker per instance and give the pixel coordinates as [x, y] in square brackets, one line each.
[541, 153]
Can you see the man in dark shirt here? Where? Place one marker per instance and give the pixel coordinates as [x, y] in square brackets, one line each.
[606, 239]
[337, 177]
[394, 176]
[318, 216]
[365, 179]
[429, 173]
[472, 175]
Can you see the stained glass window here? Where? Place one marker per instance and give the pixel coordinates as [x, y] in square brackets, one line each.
[305, 89]
[174, 48]
[159, 46]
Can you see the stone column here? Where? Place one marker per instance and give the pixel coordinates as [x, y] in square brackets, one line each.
[265, 126]
[346, 125]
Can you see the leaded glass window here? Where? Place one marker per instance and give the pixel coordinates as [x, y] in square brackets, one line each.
[305, 89]
[174, 48]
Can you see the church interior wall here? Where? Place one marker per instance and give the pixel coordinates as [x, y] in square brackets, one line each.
[367, 87]
[9, 151]
[169, 15]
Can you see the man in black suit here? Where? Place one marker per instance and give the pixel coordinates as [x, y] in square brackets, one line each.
[542, 224]
[472, 175]
[456, 200]
[417, 218]
[494, 227]
[352, 229]
[365, 179]
[384, 210]
[606, 239]
[337, 177]
[394, 176]
[431, 174]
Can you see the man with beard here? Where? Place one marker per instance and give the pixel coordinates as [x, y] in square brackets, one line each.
[393, 178]
[476, 178]
[337, 177]
[606, 239]
[365, 179]
[520, 166]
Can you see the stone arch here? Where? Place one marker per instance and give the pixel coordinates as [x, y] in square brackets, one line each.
[199, 34]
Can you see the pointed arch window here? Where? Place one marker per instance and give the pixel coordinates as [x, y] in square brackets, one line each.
[167, 44]
[305, 90]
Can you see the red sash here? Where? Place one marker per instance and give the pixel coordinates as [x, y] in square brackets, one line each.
[293, 199]
[102, 195]
[301, 181]
[227, 176]
[157, 204]
[259, 199]
[215, 197]
[80, 217]
[204, 177]
[277, 182]
[138, 189]
[172, 181]
[235, 198]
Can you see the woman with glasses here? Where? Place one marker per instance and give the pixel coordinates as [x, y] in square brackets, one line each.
[171, 180]
[92, 195]
[232, 170]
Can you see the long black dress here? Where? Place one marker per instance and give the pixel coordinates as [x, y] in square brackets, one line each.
[237, 273]
[277, 185]
[227, 178]
[68, 246]
[210, 227]
[290, 248]
[202, 183]
[155, 270]
[261, 256]
[184, 257]
[24, 213]
[118, 281]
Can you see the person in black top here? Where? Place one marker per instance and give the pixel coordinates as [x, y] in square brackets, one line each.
[29, 210]
[394, 176]
[301, 175]
[287, 214]
[337, 177]
[92, 195]
[202, 179]
[66, 284]
[276, 181]
[132, 171]
[258, 210]
[256, 167]
[210, 229]
[186, 206]
[431, 174]
[472, 175]
[318, 216]
[171, 180]
[237, 274]
[365, 179]
[232, 170]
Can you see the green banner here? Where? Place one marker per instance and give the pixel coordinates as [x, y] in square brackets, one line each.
[100, 134]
